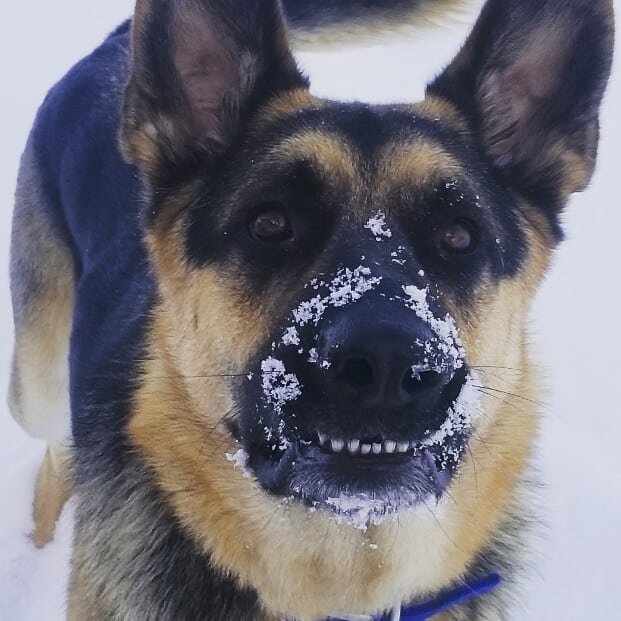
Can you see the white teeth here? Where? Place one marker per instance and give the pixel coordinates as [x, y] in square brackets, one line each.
[390, 446]
[337, 445]
[402, 447]
[353, 446]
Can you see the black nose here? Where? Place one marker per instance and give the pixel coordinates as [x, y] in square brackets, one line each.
[375, 363]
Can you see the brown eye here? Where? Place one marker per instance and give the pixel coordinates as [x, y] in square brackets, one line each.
[271, 224]
[458, 238]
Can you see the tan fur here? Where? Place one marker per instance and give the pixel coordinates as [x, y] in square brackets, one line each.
[439, 108]
[369, 28]
[52, 490]
[328, 154]
[43, 293]
[43, 296]
[576, 170]
[415, 164]
[422, 163]
[288, 103]
[39, 391]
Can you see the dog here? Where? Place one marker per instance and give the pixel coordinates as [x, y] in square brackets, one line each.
[277, 344]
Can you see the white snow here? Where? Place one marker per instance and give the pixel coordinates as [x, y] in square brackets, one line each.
[377, 225]
[576, 566]
[460, 417]
[291, 336]
[360, 510]
[346, 286]
[278, 385]
[239, 459]
[447, 341]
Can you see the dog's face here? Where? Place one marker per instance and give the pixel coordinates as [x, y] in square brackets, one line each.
[344, 289]
[356, 249]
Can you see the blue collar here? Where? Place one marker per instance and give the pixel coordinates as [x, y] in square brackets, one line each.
[462, 593]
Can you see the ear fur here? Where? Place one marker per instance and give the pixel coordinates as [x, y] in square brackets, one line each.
[531, 77]
[200, 67]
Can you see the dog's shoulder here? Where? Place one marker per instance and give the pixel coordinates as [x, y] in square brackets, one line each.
[75, 153]
[84, 99]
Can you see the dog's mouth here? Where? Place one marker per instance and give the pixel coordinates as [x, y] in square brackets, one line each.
[362, 476]
[361, 485]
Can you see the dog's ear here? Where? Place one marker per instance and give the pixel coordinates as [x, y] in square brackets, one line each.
[199, 69]
[530, 78]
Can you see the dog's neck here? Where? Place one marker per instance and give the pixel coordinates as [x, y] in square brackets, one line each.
[427, 609]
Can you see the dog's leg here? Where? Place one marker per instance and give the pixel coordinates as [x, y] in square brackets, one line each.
[51, 492]
[42, 287]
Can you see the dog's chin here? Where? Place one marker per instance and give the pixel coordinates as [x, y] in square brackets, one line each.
[362, 488]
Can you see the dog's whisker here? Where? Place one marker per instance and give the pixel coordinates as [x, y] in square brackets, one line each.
[503, 368]
[474, 470]
[206, 376]
[439, 524]
[510, 394]
[498, 398]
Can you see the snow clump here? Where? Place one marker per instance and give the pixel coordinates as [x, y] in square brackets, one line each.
[448, 342]
[278, 385]
[239, 460]
[360, 510]
[377, 225]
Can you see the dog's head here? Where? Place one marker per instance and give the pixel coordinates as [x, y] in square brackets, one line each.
[344, 288]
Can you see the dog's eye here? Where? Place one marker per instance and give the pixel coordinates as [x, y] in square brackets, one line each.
[458, 238]
[271, 224]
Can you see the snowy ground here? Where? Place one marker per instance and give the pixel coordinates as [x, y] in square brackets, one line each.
[574, 325]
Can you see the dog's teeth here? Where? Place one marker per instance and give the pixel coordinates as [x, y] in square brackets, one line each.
[353, 446]
[402, 447]
[377, 448]
[323, 438]
[337, 445]
[365, 449]
[390, 446]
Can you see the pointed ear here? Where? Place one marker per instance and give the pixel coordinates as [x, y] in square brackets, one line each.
[530, 78]
[200, 68]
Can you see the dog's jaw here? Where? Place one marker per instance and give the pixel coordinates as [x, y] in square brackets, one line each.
[364, 480]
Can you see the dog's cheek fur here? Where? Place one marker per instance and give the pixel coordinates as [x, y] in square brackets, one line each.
[497, 349]
[490, 512]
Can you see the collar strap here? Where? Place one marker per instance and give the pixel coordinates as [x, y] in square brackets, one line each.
[426, 610]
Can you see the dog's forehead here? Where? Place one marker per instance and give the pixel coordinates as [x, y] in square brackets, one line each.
[385, 145]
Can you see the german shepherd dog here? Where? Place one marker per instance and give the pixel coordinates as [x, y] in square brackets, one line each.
[290, 332]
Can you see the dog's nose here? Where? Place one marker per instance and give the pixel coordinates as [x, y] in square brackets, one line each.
[381, 363]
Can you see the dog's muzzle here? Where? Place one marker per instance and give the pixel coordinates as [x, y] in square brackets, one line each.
[361, 407]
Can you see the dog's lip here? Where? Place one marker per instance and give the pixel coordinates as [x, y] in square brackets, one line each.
[316, 477]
